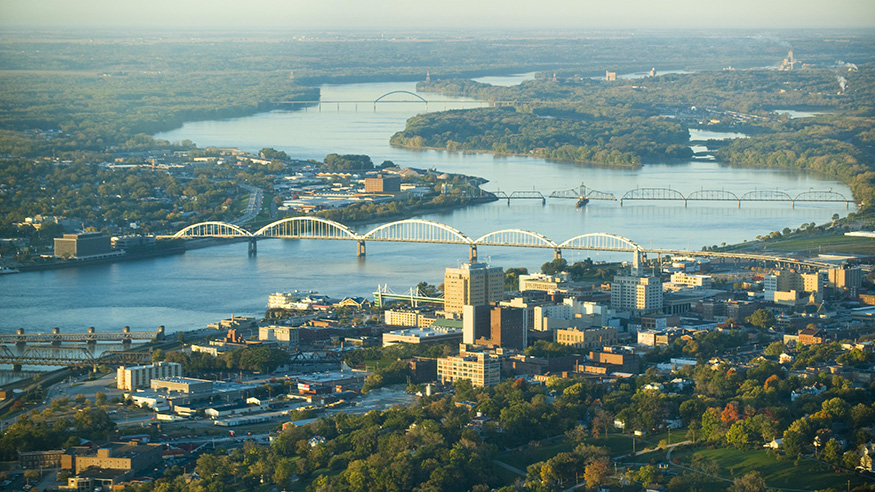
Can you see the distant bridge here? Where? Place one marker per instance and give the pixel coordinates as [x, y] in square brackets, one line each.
[414, 296]
[49, 355]
[126, 336]
[579, 193]
[811, 196]
[385, 99]
[425, 231]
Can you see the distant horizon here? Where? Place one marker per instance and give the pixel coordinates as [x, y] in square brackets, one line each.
[450, 15]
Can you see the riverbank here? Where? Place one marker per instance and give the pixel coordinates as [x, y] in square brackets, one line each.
[57, 265]
[512, 154]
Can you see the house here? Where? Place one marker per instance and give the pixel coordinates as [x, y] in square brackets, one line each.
[814, 389]
[315, 441]
[774, 444]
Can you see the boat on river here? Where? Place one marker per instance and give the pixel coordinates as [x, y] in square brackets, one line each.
[582, 202]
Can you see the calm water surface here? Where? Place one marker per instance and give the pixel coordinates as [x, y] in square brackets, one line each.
[188, 291]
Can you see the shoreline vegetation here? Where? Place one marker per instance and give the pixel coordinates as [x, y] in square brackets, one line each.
[634, 122]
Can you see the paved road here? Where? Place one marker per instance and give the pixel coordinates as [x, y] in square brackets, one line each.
[253, 206]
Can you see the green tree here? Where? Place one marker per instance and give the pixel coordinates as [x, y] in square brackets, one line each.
[749, 482]
[775, 348]
[762, 318]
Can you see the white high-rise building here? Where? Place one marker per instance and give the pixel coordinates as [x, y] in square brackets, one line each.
[637, 292]
[131, 378]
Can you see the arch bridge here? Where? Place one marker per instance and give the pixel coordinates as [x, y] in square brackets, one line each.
[430, 232]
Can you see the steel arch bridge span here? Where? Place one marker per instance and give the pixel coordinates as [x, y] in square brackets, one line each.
[713, 195]
[600, 241]
[400, 92]
[306, 228]
[212, 229]
[516, 237]
[417, 231]
[653, 194]
[766, 196]
[820, 196]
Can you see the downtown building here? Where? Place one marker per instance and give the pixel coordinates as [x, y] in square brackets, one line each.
[481, 368]
[637, 292]
[133, 378]
[472, 284]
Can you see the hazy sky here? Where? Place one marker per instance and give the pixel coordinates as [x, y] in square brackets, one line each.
[422, 16]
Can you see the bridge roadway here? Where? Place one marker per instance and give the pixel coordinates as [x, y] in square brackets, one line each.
[90, 336]
[425, 231]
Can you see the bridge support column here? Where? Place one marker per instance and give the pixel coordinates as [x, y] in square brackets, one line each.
[472, 254]
[739, 204]
[557, 254]
[16, 368]
[361, 249]
[621, 202]
[792, 203]
[685, 203]
[253, 246]
[508, 201]
[56, 342]
[543, 201]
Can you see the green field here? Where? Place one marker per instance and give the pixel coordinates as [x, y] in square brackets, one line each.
[824, 244]
[778, 473]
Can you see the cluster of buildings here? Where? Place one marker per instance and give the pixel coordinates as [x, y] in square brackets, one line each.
[94, 467]
[310, 189]
[638, 311]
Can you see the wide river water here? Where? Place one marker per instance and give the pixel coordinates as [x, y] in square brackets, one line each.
[188, 291]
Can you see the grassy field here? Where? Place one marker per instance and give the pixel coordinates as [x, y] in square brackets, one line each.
[839, 244]
[778, 473]
[525, 457]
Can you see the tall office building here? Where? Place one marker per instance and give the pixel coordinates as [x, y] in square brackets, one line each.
[637, 292]
[473, 284]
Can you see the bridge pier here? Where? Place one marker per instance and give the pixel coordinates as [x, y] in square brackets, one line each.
[685, 203]
[16, 367]
[621, 202]
[360, 251]
[557, 254]
[253, 247]
[472, 254]
[56, 342]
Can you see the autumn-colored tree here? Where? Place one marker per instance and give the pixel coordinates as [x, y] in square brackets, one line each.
[730, 413]
[771, 382]
[595, 472]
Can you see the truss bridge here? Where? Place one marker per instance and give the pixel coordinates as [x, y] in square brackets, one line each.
[811, 196]
[49, 355]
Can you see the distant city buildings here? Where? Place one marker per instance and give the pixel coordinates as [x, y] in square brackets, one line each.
[587, 338]
[288, 336]
[85, 245]
[132, 378]
[473, 284]
[481, 368]
[433, 334]
[637, 292]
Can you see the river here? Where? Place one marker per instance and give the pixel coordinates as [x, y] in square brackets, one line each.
[185, 292]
